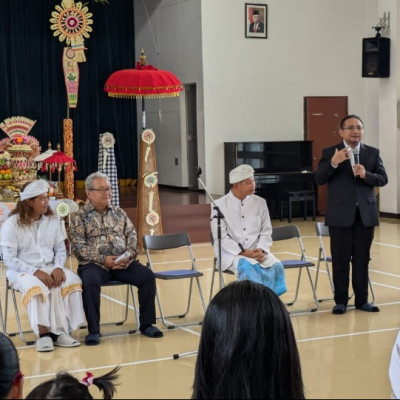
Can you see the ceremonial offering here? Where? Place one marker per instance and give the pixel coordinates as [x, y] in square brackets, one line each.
[17, 163]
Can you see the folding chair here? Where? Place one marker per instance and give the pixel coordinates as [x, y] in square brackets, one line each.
[129, 289]
[21, 332]
[288, 232]
[166, 243]
[323, 231]
[216, 270]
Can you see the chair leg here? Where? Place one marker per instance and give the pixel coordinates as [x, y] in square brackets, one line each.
[372, 290]
[290, 303]
[221, 277]
[297, 291]
[321, 258]
[313, 208]
[171, 325]
[129, 289]
[20, 331]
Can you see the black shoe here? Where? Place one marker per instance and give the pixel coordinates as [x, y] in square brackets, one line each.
[368, 307]
[151, 331]
[339, 309]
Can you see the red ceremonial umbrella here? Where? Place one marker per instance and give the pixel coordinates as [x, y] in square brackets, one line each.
[58, 160]
[145, 82]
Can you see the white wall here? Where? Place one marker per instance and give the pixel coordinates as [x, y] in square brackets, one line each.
[254, 88]
[170, 33]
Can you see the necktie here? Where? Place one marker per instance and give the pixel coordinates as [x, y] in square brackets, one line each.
[356, 159]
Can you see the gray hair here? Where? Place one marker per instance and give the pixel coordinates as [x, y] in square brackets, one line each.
[95, 175]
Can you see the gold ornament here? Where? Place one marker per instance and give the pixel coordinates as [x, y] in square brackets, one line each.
[71, 22]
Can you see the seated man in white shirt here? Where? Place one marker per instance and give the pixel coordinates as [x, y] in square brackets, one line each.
[34, 253]
[245, 244]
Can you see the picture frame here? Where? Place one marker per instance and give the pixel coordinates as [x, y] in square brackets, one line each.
[255, 14]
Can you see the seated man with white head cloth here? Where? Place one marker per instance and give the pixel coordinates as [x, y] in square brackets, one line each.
[248, 223]
[34, 253]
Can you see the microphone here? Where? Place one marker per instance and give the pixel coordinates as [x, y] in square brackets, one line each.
[356, 156]
[351, 153]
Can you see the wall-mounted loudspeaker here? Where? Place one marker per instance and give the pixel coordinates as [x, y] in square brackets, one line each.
[376, 57]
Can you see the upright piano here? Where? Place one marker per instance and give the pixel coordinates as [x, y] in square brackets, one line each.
[279, 167]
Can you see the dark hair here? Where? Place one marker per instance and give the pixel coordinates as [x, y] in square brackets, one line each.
[247, 347]
[66, 386]
[9, 365]
[348, 117]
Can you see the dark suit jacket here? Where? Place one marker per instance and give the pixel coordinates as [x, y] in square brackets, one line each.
[260, 27]
[346, 191]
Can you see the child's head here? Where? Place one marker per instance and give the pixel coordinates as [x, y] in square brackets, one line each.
[66, 386]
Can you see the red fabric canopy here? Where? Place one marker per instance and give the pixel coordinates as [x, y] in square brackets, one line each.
[144, 81]
[59, 159]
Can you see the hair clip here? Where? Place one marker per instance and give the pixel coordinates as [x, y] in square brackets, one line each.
[88, 379]
[18, 378]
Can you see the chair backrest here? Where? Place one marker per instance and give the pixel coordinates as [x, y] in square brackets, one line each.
[163, 242]
[285, 232]
[321, 229]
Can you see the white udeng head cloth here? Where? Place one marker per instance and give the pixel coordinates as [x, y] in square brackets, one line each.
[241, 173]
[34, 189]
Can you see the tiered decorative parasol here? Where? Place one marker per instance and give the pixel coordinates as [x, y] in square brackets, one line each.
[42, 156]
[59, 161]
[145, 82]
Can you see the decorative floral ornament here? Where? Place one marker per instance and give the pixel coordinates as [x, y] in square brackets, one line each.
[108, 140]
[71, 22]
[148, 136]
[152, 218]
[150, 180]
[62, 209]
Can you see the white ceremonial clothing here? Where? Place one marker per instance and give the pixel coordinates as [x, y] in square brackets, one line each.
[250, 222]
[394, 368]
[41, 246]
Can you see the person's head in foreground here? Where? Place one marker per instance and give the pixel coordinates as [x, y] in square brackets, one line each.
[66, 386]
[11, 378]
[247, 347]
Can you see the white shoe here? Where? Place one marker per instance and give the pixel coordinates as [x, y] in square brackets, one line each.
[44, 343]
[65, 340]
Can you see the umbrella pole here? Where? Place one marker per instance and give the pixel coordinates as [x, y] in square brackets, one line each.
[143, 115]
[59, 180]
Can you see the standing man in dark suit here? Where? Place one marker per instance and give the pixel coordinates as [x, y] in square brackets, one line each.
[352, 170]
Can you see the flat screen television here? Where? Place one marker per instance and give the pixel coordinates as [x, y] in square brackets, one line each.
[271, 157]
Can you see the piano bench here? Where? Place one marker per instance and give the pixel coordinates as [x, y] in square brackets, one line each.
[292, 197]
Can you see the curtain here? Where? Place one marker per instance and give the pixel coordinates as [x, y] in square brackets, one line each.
[32, 80]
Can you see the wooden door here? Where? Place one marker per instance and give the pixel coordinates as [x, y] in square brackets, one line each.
[321, 125]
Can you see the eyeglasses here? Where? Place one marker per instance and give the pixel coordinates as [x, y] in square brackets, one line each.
[105, 190]
[353, 127]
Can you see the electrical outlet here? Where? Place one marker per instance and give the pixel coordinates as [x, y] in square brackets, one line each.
[176, 161]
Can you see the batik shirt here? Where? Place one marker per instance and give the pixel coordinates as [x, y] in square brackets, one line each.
[96, 235]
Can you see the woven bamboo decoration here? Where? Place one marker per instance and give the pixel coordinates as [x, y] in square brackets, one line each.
[107, 163]
[148, 201]
[69, 185]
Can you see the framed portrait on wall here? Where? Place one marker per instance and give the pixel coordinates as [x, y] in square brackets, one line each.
[255, 21]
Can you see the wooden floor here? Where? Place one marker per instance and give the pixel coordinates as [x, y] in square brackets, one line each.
[342, 356]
